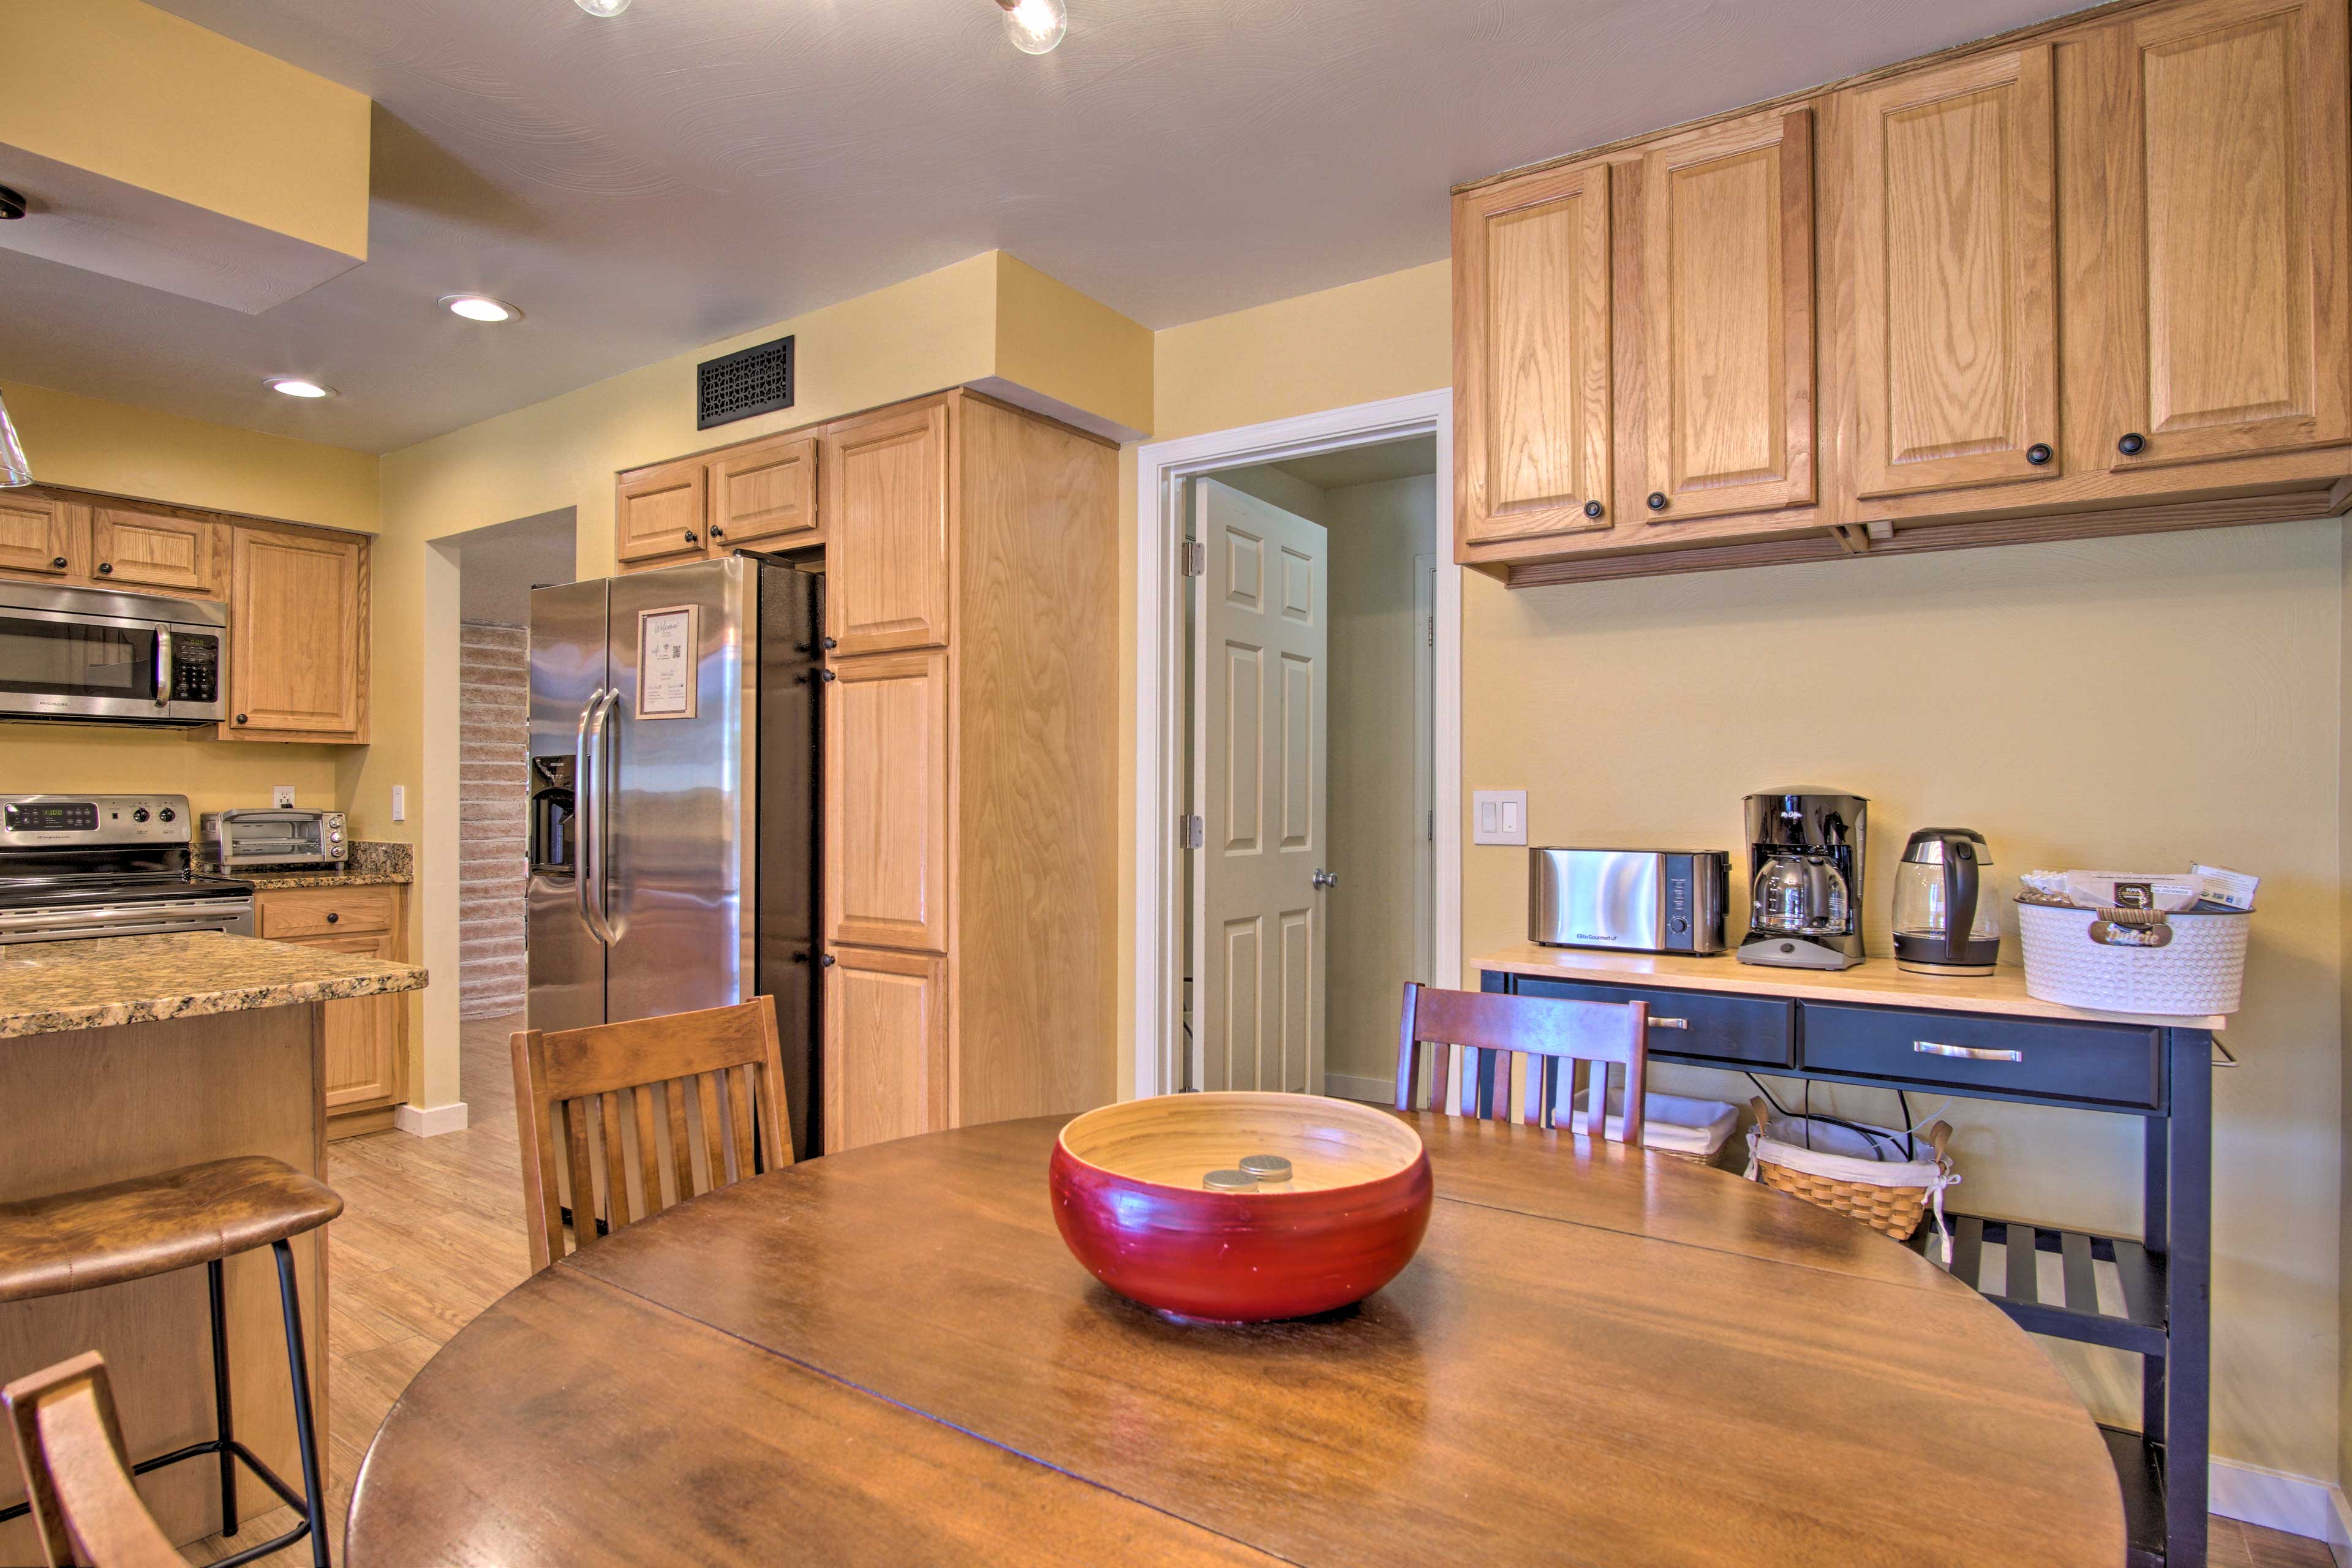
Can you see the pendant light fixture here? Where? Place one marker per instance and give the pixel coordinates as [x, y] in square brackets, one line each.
[1036, 25]
[14, 470]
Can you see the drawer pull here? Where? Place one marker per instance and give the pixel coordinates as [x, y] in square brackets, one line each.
[1973, 1053]
[1670, 1023]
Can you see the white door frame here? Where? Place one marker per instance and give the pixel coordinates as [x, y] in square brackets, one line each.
[1160, 469]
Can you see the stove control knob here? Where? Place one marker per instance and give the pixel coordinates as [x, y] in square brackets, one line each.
[167, 814]
[139, 815]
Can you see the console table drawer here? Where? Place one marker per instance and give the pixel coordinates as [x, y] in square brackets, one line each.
[1750, 1030]
[2095, 1063]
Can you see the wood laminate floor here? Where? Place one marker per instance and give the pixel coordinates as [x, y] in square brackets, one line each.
[433, 1233]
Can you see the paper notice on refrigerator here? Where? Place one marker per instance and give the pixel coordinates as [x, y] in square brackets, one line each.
[666, 645]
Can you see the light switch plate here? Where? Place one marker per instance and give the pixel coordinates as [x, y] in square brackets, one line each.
[400, 802]
[281, 795]
[1498, 816]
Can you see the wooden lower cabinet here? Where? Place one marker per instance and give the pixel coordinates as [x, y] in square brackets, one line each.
[887, 1068]
[367, 1039]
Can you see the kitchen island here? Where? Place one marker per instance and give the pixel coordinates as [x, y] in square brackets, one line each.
[124, 1055]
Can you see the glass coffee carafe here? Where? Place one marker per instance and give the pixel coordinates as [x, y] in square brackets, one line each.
[1947, 919]
[1800, 895]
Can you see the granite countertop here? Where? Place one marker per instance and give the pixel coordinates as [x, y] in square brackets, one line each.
[49, 987]
[371, 864]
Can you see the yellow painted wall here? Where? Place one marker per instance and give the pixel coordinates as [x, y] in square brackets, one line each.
[1630, 710]
[89, 444]
[138, 95]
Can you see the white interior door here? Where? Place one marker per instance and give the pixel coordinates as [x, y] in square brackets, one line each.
[1261, 708]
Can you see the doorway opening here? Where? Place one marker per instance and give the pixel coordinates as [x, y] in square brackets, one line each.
[1303, 744]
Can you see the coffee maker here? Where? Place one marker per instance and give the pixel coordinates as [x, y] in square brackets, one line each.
[1805, 850]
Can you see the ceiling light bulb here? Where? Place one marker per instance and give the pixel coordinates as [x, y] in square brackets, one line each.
[295, 386]
[15, 470]
[478, 307]
[1034, 25]
[604, 8]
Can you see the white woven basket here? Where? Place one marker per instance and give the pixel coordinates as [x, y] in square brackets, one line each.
[2119, 960]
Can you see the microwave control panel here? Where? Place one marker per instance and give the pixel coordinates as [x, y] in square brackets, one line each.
[195, 668]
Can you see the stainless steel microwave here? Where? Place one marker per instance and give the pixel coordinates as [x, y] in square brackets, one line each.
[91, 655]
[1638, 900]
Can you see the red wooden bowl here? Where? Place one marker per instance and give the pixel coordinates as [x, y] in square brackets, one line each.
[1127, 1195]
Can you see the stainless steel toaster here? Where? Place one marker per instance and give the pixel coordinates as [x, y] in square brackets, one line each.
[1636, 901]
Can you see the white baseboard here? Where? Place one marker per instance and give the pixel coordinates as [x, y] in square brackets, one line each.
[1347, 1086]
[430, 1120]
[2296, 1504]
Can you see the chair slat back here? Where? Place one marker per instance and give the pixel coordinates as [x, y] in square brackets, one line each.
[1562, 1051]
[77, 1477]
[641, 1115]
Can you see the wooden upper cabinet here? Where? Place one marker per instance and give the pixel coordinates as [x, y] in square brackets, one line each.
[659, 511]
[2230, 259]
[888, 574]
[150, 551]
[887, 780]
[765, 492]
[298, 635]
[1728, 297]
[1953, 182]
[1533, 426]
[38, 537]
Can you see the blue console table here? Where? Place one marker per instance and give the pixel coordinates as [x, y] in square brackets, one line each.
[1987, 1039]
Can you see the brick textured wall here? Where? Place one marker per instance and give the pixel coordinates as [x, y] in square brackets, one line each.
[494, 720]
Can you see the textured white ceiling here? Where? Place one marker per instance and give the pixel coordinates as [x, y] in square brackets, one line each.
[696, 168]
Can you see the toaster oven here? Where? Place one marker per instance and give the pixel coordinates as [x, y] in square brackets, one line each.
[256, 837]
[1636, 901]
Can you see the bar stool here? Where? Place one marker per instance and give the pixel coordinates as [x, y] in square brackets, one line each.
[155, 1225]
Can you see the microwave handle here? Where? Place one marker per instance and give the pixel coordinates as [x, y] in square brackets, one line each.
[163, 666]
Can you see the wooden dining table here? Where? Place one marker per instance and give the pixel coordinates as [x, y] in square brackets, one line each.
[1601, 1356]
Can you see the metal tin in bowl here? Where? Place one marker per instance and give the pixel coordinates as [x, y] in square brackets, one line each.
[1266, 1167]
[1228, 1181]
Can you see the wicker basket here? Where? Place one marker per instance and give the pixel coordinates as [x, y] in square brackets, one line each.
[2135, 961]
[1895, 1210]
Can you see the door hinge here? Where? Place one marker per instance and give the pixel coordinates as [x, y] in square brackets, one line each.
[1193, 558]
[1431, 831]
[1190, 833]
[1431, 626]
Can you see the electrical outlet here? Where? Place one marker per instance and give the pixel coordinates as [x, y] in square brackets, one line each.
[1498, 816]
[400, 802]
[281, 795]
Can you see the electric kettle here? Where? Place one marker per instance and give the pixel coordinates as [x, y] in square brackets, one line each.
[1946, 919]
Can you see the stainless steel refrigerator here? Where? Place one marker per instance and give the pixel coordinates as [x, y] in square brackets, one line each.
[674, 752]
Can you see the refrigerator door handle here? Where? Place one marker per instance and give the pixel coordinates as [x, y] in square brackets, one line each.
[588, 874]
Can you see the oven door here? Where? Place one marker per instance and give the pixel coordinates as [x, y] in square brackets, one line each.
[70, 664]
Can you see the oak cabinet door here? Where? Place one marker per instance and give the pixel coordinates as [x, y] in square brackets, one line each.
[298, 635]
[2231, 264]
[1727, 264]
[658, 514]
[885, 1048]
[143, 550]
[887, 801]
[37, 537]
[888, 573]
[1954, 178]
[362, 1035]
[1532, 372]
[764, 492]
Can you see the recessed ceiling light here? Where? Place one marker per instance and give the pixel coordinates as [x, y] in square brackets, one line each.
[1035, 27]
[295, 386]
[604, 8]
[478, 307]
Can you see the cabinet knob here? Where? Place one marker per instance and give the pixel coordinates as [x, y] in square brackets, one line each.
[689, 536]
[1657, 500]
[106, 568]
[57, 563]
[828, 962]
[830, 644]
[827, 675]
[2038, 454]
[332, 917]
[716, 531]
[240, 718]
[2132, 445]
[1592, 509]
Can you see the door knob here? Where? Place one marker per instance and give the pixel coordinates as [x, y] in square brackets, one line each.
[1327, 878]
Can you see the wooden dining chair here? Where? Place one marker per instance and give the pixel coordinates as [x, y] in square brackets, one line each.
[1587, 1037]
[647, 1113]
[77, 1472]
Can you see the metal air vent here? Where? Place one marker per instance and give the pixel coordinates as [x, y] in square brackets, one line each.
[757, 380]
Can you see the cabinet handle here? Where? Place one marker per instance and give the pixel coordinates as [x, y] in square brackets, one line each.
[827, 675]
[57, 563]
[106, 568]
[830, 644]
[1657, 500]
[716, 531]
[1973, 1053]
[332, 916]
[2132, 445]
[240, 718]
[1592, 509]
[1670, 1023]
[2038, 454]
[689, 536]
[827, 962]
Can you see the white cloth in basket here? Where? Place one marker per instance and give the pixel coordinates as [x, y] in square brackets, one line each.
[1870, 1156]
